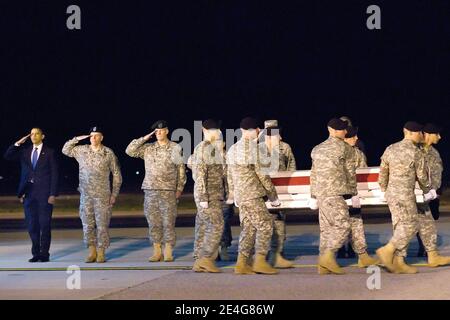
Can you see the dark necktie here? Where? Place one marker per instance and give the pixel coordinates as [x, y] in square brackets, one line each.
[34, 158]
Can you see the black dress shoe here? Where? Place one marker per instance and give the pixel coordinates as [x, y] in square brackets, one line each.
[34, 259]
[44, 259]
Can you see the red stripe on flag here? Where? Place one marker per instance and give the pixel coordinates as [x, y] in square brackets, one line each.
[368, 177]
[291, 181]
[305, 181]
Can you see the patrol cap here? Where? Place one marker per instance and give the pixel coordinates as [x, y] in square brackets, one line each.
[249, 123]
[96, 129]
[413, 126]
[211, 124]
[337, 124]
[351, 132]
[270, 123]
[160, 124]
[432, 128]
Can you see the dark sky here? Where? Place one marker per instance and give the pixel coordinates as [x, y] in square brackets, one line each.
[301, 62]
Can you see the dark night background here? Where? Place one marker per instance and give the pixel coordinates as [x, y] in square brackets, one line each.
[301, 62]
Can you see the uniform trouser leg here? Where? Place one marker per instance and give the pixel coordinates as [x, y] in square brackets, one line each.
[87, 216]
[227, 237]
[38, 215]
[427, 229]
[199, 234]
[212, 222]
[334, 222]
[405, 223]
[102, 210]
[257, 227]
[279, 232]
[153, 215]
[168, 208]
[357, 236]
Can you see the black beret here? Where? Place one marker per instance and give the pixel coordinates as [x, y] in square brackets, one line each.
[413, 126]
[211, 124]
[432, 128]
[249, 123]
[96, 129]
[351, 132]
[337, 124]
[160, 124]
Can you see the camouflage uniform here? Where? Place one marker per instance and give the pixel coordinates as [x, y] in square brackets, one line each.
[248, 186]
[402, 164]
[165, 174]
[207, 164]
[286, 162]
[333, 177]
[357, 236]
[95, 190]
[427, 225]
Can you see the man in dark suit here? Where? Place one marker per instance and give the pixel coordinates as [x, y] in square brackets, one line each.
[37, 189]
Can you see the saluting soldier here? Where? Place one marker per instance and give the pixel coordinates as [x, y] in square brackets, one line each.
[165, 177]
[96, 163]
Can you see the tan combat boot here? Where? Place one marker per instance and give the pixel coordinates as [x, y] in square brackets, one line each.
[435, 260]
[401, 267]
[241, 266]
[364, 260]
[157, 254]
[208, 265]
[92, 255]
[386, 256]
[279, 262]
[261, 266]
[168, 257]
[196, 267]
[328, 261]
[215, 255]
[100, 255]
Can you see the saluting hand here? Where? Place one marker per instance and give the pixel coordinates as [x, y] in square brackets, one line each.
[147, 137]
[79, 138]
[21, 141]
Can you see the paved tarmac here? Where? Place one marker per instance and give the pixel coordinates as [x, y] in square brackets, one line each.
[128, 275]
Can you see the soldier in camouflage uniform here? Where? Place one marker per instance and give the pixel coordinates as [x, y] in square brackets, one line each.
[272, 148]
[207, 164]
[427, 225]
[96, 200]
[402, 164]
[333, 180]
[357, 236]
[249, 185]
[165, 177]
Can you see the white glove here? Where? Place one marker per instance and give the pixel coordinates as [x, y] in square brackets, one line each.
[229, 201]
[204, 204]
[313, 205]
[356, 202]
[430, 195]
[235, 204]
[275, 203]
